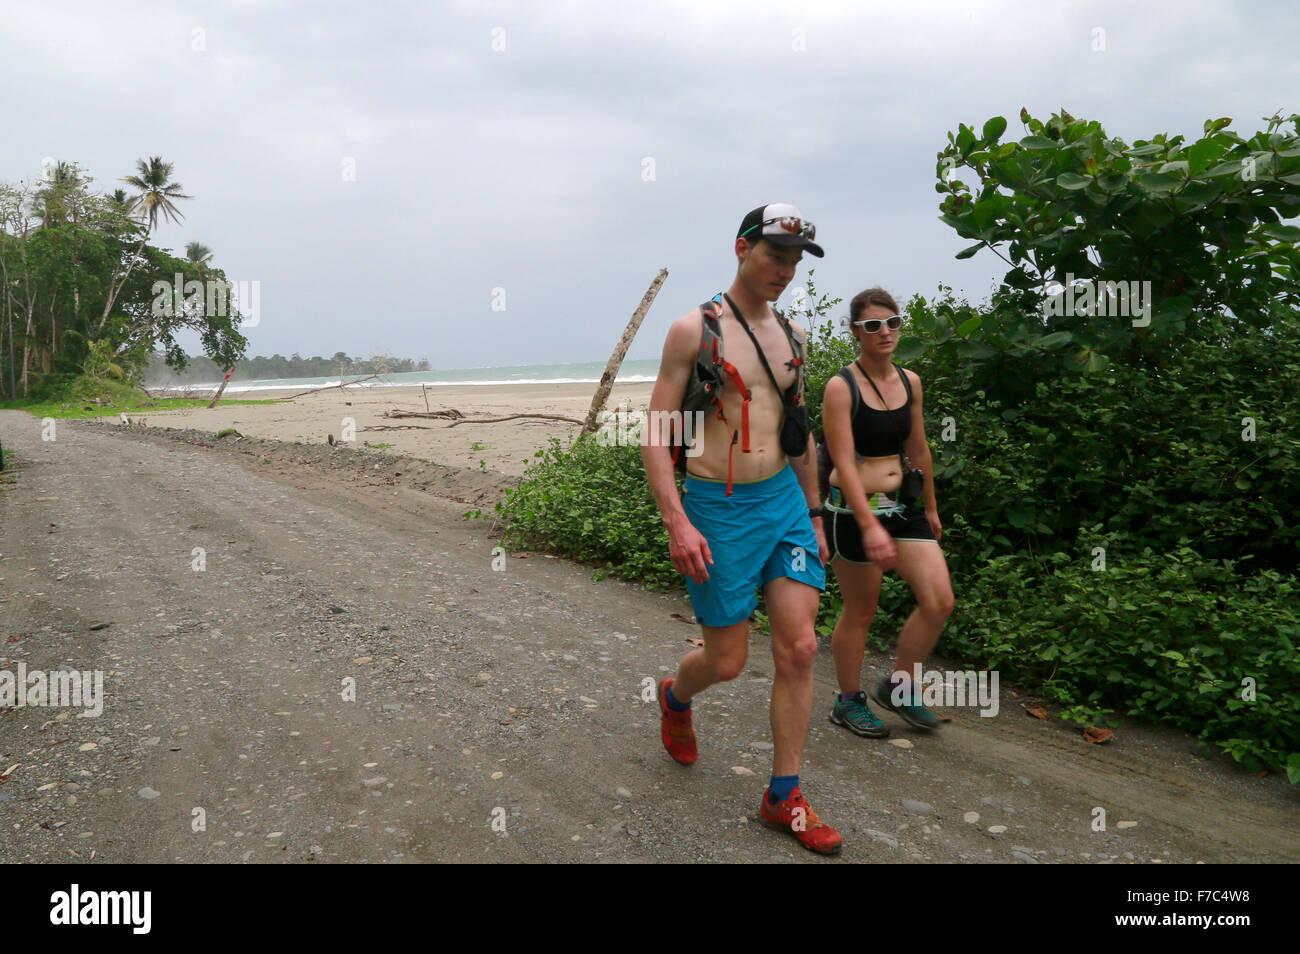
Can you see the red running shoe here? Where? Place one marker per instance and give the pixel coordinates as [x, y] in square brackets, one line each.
[795, 817]
[675, 727]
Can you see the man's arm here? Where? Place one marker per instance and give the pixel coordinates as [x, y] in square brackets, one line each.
[805, 468]
[687, 547]
[805, 465]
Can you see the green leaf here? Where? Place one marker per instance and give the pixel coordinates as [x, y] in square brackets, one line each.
[1282, 233]
[1092, 361]
[1230, 168]
[1150, 149]
[969, 325]
[1056, 338]
[968, 252]
[1019, 278]
[1201, 154]
[1072, 180]
[1201, 193]
[993, 129]
[1037, 143]
[1156, 182]
[909, 349]
[1179, 167]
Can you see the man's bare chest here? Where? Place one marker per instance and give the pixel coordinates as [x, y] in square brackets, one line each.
[741, 352]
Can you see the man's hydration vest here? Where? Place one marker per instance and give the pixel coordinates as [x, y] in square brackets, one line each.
[709, 374]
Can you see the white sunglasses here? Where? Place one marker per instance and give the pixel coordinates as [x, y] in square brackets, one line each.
[873, 325]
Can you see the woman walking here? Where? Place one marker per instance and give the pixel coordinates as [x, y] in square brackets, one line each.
[881, 515]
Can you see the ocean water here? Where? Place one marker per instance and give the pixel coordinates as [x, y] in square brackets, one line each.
[582, 372]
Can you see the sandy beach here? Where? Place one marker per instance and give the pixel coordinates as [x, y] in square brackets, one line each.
[506, 446]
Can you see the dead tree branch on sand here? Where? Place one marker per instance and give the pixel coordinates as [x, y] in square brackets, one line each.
[329, 387]
[456, 417]
[450, 414]
[511, 417]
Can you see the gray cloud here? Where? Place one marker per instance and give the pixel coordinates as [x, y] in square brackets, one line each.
[522, 168]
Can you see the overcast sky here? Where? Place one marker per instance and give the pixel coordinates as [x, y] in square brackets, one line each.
[508, 145]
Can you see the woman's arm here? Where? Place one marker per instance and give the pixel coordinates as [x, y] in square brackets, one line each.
[917, 449]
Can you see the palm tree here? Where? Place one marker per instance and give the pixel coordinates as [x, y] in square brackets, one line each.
[156, 191]
[198, 253]
[52, 199]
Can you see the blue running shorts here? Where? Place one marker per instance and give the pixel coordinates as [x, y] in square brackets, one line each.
[759, 533]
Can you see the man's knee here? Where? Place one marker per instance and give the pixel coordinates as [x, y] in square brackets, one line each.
[729, 665]
[727, 651]
[795, 653]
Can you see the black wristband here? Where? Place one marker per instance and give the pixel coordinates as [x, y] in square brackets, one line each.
[816, 511]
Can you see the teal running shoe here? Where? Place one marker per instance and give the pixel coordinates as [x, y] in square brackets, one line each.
[913, 714]
[856, 716]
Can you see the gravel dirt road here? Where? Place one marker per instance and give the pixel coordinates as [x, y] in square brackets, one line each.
[484, 699]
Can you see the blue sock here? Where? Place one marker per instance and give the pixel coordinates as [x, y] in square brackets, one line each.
[673, 703]
[780, 787]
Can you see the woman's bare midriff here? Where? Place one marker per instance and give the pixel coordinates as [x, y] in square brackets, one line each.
[877, 474]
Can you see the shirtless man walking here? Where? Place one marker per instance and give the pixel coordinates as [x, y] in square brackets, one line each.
[745, 517]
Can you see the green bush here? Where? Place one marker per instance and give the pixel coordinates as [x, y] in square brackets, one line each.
[591, 502]
[1159, 636]
[1156, 452]
[79, 389]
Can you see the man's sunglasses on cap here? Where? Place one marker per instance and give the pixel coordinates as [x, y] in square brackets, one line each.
[788, 223]
[872, 326]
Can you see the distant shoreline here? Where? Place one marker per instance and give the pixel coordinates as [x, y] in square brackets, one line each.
[236, 387]
[633, 371]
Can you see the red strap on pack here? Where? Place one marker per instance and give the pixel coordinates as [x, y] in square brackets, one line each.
[744, 407]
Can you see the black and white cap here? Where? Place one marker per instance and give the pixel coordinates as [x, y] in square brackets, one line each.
[781, 224]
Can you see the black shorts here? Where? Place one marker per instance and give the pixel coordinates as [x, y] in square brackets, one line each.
[902, 522]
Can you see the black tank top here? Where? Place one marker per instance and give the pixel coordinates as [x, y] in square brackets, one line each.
[873, 433]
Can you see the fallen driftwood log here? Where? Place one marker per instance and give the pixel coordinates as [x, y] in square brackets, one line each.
[456, 417]
[328, 387]
[511, 417]
[450, 413]
[397, 427]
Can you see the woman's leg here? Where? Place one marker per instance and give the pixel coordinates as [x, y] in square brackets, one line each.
[922, 565]
[860, 590]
